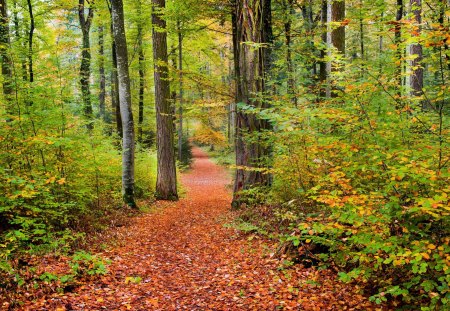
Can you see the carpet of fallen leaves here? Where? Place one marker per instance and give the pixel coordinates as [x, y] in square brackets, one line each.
[185, 259]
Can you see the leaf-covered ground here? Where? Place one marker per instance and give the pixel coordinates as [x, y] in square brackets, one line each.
[181, 257]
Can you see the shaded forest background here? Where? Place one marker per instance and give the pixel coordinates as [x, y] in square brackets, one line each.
[333, 116]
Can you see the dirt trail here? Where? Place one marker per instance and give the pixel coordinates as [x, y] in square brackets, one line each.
[187, 260]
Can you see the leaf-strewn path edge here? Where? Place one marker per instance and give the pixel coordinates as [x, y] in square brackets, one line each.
[186, 259]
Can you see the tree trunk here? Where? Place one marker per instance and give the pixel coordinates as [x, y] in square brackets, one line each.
[416, 79]
[102, 94]
[361, 31]
[253, 24]
[180, 104]
[141, 73]
[166, 184]
[29, 100]
[30, 42]
[125, 103]
[399, 52]
[5, 57]
[289, 12]
[323, 63]
[338, 34]
[85, 67]
[115, 102]
[23, 56]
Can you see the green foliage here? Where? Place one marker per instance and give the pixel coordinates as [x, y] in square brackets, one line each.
[85, 264]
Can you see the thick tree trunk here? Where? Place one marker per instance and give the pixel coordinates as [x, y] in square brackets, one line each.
[102, 93]
[416, 79]
[85, 67]
[338, 34]
[253, 24]
[125, 103]
[166, 183]
[5, 57]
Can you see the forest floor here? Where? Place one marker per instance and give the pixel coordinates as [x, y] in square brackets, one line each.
[181, 257]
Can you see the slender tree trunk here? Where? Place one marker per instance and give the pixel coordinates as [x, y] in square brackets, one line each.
[180, 104]
[29, 100]
[30, 42]
[398, 42]
[166, 184]
[125, 103]
[289, 12]
[115, 102]
[253, 19]
[416, 79]
[361, 31]
[323, 63]
[5, 57]
[329, 41]
[102, 94]
[23, 56]
[85, 67]
[141, 79]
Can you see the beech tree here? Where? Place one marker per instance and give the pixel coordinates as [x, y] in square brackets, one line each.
[166, 183]
[128, 143]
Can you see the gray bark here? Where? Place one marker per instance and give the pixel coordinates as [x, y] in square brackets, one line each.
[125, 103]
[166, 183]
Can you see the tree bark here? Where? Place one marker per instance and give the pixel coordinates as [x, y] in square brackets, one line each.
[125, 103]
[102, 94]
[85, 67]
[398, 41]
[30, 42]
[5, 57]
[166, 183]
[253, 24]
[29, 100]
[288, 7]
[115, 102]
[323, 63]
[180, 101]
[141, 75]
[416, 79]
[338, 34]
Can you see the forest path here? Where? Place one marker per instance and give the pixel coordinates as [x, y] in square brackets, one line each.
[186, 259]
